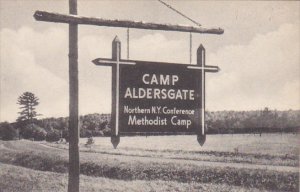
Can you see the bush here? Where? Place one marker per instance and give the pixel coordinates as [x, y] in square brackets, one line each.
[97, 133]
[53, 135]
[90, 141]
[7, 131]
[65, 135]
[85, 133]
[106, 131]
[34, 131]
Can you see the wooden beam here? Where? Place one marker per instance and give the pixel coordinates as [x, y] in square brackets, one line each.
[110, 62]
[74, 165]
[64, 18]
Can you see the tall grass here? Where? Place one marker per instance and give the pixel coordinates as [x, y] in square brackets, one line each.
[17, 179]
[185, 173]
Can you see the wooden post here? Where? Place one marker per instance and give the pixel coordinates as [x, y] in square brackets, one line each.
[201, 136]
[74, 167]
[116, 55]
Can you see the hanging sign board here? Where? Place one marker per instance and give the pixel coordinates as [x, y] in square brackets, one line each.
[156, 97]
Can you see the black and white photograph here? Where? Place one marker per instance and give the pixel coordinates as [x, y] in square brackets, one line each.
[149, 96]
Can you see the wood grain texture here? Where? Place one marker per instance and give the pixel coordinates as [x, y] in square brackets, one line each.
[64, 18]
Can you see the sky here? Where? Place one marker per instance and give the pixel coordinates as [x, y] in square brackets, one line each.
[258, 53]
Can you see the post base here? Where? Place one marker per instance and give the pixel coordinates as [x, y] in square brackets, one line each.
[115, 140]
[201, 139]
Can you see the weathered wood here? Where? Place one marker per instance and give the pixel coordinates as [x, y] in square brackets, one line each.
[110, 62]
[74, 166]
[116, 56]
[64, 18]
[201, 136]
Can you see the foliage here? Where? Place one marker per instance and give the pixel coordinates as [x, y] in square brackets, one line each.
[65, 135]
[53, 135]
[33, 131]
[7, 131]
[93, 124]
[90, 141]
[27, 101]
[52, 123]
[258, 121]
[218, 122]
[90, 125]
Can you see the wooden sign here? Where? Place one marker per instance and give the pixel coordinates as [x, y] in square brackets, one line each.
[155, 97]
[159, 97]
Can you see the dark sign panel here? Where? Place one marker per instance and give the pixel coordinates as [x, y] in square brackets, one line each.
[157, 97]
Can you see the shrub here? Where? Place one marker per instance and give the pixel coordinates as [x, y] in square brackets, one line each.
[8, 132]
[34, 131]
[97, 133]
[53, 135]
[85, 133]
[90, 141]
[106, 131]
[65, 135]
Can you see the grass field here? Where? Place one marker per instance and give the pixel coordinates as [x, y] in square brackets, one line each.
[158, 163]
[15, 178]
[273, 144]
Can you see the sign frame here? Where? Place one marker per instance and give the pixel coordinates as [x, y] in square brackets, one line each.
[115, 64]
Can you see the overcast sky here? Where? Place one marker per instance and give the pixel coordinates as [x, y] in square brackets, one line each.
[258, 54]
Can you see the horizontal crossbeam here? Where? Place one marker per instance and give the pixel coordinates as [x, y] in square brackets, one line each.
[110, 62]
[74, 19]
[207, 68]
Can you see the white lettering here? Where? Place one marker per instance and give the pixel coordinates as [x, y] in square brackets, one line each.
[174, 79]
[128, 93]
[144, 79]
[164, 81]
[154, 80]
[186, 122]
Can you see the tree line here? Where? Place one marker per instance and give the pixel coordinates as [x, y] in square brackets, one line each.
[220, 122]
[258, 121]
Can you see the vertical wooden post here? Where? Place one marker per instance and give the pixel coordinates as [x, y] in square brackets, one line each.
[201, 136]
[116, 55]
[74, 167]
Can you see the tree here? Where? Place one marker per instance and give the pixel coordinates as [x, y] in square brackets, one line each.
[7, 131]
[53, 135]
[28, 102]
[33, 131]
